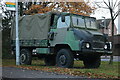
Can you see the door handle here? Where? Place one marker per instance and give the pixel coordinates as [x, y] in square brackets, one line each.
[51, 35]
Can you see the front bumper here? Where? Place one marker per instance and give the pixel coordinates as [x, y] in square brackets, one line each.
[104, 52]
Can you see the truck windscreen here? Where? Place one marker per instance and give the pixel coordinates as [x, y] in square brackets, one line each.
[82, 22]
[78, 21]
[91, 23]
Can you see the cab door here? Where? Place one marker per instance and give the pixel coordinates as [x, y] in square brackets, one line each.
[60, 30]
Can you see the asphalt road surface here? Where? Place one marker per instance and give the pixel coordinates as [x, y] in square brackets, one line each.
[19, 73]
[11, 72]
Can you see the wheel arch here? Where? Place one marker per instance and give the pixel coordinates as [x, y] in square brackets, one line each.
[61, 46]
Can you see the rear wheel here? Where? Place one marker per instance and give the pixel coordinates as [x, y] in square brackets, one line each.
[25, 57]
[49, 60]
[92, 62]
[65, 58]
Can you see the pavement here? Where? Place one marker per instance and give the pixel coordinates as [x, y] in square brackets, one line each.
[107, 58]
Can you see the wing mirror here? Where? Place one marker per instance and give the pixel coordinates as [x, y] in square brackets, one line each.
[63, 18]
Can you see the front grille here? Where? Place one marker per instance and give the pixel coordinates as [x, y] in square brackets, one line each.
[98, 45]
[98, 38]
[98, 41]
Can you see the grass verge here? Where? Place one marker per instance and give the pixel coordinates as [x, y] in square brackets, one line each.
[104, 71]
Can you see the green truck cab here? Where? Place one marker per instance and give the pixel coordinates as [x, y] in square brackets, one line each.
[61, 38]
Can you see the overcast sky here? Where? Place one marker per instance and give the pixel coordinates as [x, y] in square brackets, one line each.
[100, 12]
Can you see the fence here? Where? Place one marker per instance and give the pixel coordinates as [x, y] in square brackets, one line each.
[116, 48]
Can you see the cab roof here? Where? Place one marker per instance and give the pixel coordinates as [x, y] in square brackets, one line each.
[66, 13]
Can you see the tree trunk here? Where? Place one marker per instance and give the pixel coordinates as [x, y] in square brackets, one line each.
[21, 8]
[111, 57]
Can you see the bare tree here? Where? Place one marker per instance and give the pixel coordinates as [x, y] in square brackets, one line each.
[114, 14]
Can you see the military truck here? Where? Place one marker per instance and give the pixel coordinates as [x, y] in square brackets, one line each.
[60, 38]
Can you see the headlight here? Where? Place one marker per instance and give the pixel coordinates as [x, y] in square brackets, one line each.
[110, 45]
[105, 47]
[87, 45]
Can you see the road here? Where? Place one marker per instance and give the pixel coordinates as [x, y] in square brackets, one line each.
[19, 73]
[11, 72]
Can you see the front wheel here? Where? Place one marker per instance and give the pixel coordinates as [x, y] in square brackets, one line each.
[65, 58]
[25, 57]
[92, 62]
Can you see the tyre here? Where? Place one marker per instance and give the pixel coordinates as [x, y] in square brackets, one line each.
[25, 56]
[92, 62]
[64, 58]
[49, 60]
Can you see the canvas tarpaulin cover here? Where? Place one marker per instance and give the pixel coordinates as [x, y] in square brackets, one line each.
[32, 27]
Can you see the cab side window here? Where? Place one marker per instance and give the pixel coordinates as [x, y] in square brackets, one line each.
[65, 24]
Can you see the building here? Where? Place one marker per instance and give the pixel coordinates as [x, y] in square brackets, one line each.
[119, 20]
[105, 26]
